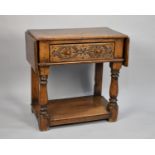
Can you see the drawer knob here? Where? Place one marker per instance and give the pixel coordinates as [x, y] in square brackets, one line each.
[98, 51]
[67, 52]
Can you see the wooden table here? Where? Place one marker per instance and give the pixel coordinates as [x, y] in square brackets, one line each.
[45, 48]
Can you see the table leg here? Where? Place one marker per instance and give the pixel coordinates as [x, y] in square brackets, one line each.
[34, 87]
[112, 106]
[98, 79]
[43, 99]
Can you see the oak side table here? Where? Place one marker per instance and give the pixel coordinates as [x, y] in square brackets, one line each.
[49, 47]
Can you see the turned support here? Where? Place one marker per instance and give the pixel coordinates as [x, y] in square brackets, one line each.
[112, 106]
[98, 79]
[34, 87]
[43, 99]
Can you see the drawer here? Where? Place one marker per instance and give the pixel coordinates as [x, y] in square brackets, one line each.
[82, 52]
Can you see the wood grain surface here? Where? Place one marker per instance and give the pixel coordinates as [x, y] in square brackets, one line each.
[75, 110]
[45, 48]
[75, 33]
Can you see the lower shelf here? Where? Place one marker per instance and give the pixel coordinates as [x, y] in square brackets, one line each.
[76, 110]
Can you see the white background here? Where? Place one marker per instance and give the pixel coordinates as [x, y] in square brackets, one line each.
[136, 95]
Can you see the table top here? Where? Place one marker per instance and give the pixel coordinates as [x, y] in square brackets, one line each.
[75, 33]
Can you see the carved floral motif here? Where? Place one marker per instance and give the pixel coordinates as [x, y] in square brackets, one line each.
[82, 51]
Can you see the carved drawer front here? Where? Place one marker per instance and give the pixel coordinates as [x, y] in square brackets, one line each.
[81, 52]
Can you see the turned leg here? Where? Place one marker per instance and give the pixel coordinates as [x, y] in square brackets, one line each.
[112, 106]
[34, 87]
[98, 79]
[43, 99]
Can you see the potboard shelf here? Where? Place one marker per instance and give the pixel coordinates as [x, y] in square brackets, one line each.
[75, 110]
